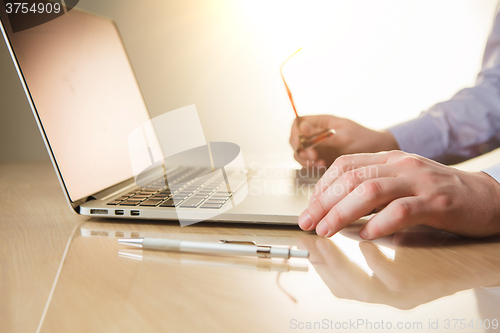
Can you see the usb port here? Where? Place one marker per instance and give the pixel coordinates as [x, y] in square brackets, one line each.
[119, 212]
[134, 213]
[99, 211]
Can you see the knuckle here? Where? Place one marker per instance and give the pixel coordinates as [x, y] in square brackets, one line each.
[333, 172]
[320, 186]
[394, 154]
[375, 226]
[338, 167]
[334, 218]
[320, 205]
[352, 177]
[443, 202]
[371, 189]
[456, 180]
[409, 161]
[342, 161]
[401, 210]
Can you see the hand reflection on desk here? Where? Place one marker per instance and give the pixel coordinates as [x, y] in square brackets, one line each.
[427, 265]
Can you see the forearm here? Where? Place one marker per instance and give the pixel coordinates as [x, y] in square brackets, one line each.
[465, 126]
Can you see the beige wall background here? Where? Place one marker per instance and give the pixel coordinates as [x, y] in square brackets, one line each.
[377, 62]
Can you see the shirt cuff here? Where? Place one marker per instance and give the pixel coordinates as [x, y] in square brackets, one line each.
[493, 171]
[420, 136]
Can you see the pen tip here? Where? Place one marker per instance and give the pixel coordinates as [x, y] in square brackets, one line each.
[131, 241]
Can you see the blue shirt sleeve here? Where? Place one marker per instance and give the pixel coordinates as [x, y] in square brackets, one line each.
[465, 126]
[493, 171]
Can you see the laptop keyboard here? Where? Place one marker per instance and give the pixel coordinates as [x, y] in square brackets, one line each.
[203, 192]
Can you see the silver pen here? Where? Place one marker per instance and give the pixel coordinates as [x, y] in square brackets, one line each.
[222, 248]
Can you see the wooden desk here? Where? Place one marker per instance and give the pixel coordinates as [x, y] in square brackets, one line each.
[61, 272]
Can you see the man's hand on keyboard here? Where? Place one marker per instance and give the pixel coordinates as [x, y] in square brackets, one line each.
[406, 190]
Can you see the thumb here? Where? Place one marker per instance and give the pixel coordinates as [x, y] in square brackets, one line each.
[320, 122]
[306, 128]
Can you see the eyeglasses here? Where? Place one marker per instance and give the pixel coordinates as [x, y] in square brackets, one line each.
[305, 141]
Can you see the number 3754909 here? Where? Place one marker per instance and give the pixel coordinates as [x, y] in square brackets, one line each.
[35, 8]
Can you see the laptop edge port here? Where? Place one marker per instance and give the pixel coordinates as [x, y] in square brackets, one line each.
[99, 211]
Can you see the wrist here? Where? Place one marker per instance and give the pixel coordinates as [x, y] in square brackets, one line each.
[387, 141]
[492, 187]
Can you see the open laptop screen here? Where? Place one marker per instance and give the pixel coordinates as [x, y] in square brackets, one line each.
[86, 97]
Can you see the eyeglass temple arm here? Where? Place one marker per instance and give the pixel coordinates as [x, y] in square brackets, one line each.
[286, 85]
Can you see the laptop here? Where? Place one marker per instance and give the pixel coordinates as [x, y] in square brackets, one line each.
[86, 101]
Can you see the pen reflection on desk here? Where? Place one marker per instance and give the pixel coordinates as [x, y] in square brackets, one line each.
[218, 261]
[199, 260]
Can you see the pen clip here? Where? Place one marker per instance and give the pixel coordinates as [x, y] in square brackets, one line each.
[263, 251]
[237, 242]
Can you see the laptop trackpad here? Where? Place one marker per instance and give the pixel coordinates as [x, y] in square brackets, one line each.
[266, 196]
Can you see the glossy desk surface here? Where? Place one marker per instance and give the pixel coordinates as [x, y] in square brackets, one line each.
[61, 272]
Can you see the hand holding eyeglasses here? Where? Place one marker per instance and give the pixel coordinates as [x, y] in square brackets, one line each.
[350, 138]
[310, 134]
[308, 140]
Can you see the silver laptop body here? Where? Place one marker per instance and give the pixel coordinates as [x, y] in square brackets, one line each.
[86, 100]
